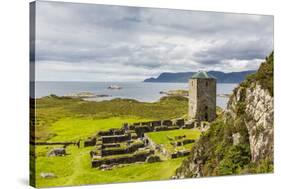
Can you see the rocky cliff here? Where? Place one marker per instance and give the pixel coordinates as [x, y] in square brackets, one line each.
[258, 118]
[240, 141]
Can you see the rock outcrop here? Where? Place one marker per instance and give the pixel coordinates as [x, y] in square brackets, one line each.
[258, 118]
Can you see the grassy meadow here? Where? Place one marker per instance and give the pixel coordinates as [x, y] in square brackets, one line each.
[60, 119]
[162, 137]
[67, 119]
[75, 169]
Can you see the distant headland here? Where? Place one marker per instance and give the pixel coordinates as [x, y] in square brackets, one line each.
[182, 77]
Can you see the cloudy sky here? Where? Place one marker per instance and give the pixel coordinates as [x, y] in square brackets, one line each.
[84, 42]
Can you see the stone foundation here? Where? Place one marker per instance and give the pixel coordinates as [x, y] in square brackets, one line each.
[127, 159]
[122, 150]
[180, 154]
[115, 138]
[90, 142]
[130, 144]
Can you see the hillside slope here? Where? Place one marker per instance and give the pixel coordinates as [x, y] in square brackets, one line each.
[182, 77]
[240, 141]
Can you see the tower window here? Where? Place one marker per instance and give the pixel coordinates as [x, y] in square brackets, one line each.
[206, 107]
[206, 117]
[206, 83]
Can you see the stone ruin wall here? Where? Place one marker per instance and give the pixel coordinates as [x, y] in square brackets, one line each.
[192, 101]
[138, 147]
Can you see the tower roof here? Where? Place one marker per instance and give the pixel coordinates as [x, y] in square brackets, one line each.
[202, 75]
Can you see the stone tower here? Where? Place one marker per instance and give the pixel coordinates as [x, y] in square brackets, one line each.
[202, 97]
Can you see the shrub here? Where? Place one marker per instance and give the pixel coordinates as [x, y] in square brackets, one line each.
[235, 159]
[264, 75]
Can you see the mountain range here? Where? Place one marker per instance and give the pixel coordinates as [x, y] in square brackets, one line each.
[182, 77]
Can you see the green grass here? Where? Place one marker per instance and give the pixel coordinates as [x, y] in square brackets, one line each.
[264, 75]
[162, 137]
[42, 150]
[75, 169]
[53, 112]
[64, 119]
[73, 129]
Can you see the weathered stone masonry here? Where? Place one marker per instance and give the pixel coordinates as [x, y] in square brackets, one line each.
[202, 97]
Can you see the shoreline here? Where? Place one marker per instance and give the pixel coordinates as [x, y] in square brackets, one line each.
[110, 98]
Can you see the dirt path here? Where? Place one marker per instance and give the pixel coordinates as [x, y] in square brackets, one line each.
[77, 166]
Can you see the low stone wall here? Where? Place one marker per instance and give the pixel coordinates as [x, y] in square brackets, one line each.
[104, 133]
[90, 142]
[184, 142]
[156, 123]
[140, 130]
[117, 131]
[153, 159]
[147, 123]
[137, 124]
[167, 122]
[164, 128]
[126, 159]
[110, 145]
[188, 141]
[189, 124]
[180, 154]
[125, 145]
[112, 131]
[121, 150]
[149, 126]
[57, 152]
[180, 122]
[114, 151]
[115, 138]
[134, 135]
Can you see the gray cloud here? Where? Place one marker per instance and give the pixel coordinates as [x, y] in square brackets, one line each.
[91, 42]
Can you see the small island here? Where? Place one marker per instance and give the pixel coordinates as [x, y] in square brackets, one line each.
[85, 95]
[178, 92]
[114, 87]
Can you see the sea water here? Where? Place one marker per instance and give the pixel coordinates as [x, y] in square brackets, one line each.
[141, 91]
